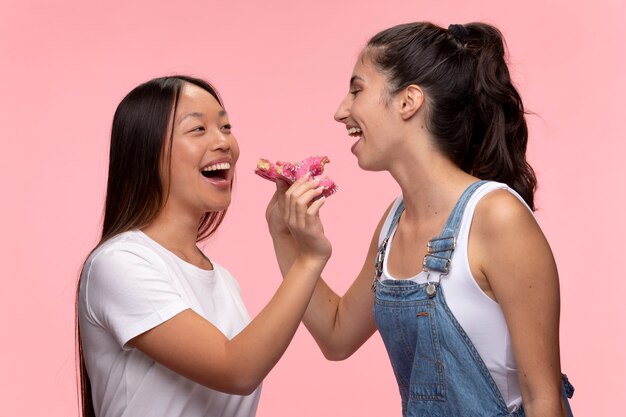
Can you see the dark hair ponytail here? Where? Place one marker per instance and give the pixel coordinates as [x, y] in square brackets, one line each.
[474, 110]
[498, 144]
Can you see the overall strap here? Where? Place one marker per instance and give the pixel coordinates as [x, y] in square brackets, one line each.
[440, 248]
[380, 256]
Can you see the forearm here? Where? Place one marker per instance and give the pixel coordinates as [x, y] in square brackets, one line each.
[322, 320]
[327, 311]
[339, 324]
[285, 249]
[544, 406]
[539, 373]
[260, 345]
[320, 316]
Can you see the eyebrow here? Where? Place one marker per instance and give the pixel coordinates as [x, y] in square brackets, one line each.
[354, 78]
[196, 114]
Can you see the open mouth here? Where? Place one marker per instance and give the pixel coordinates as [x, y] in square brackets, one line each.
[216, 171]
[355, 132]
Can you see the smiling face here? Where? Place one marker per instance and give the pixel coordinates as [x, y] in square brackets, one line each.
[369, 115]
[203, 155]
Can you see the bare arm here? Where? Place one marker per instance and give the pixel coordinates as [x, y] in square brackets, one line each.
[339, 324]
[516, 260]
[191, 346]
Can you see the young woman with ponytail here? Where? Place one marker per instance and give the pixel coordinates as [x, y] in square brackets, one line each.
[461, 281]
[162, 327]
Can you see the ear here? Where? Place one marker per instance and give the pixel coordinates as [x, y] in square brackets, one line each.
[411, 100]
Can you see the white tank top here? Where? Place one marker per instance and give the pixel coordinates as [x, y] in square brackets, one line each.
[480, 316]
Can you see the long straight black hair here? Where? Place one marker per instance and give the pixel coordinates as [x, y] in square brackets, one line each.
[135, 192]
[474, 110]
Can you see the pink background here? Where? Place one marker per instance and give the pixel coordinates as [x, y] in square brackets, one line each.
[282, 68]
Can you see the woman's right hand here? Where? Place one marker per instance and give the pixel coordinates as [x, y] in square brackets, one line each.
[246, 359]
[300, 206]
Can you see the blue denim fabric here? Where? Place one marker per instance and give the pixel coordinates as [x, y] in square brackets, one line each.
[438, 369]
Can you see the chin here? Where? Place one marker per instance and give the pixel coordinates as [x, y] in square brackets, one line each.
[209, 206]
[369, 165]
[362, 165]
[217, 207]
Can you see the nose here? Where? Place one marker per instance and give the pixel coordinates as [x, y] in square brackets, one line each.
[221, 142]
[343, 111]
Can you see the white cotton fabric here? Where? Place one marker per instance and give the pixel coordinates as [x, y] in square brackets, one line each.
[480, 316]
[129, 285]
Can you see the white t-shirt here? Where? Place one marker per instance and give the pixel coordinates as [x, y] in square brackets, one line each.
[480, 316]
[129, 285]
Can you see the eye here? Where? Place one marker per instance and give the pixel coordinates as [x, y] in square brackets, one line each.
[198, 129]
[354, 92]
[227, 127]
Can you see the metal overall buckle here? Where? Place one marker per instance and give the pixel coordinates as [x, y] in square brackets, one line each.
[378, 263]
[431, 288]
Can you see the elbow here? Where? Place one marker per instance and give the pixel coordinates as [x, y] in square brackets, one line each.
[246, 389]
[242, 386]
[335, 357]
[234, 383]
[336, 354]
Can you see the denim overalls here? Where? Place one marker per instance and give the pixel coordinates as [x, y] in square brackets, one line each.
[438, 369]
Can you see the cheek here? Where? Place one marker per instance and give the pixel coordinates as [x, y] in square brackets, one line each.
[361, 108]
[182, 169]
[176, 165]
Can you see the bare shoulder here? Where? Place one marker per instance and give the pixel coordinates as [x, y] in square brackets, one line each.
[505, 235]
[501, 212]
[503, 228]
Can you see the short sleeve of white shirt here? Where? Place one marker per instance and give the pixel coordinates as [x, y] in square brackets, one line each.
[128, 290]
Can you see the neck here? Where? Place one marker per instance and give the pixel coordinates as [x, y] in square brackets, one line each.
[176, 232]
[430, 183]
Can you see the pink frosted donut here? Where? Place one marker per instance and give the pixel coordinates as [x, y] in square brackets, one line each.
[290, 172]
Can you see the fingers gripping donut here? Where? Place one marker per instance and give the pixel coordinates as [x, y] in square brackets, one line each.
[290, 172]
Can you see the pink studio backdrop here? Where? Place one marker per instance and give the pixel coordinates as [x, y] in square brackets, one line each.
[282, 68]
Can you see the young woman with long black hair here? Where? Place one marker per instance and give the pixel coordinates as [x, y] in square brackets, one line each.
[162, 327]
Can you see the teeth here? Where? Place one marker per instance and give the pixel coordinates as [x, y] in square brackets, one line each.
[354, 131]
[215, 167]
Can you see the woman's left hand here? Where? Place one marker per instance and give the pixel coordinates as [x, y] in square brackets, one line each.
[300, 207]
